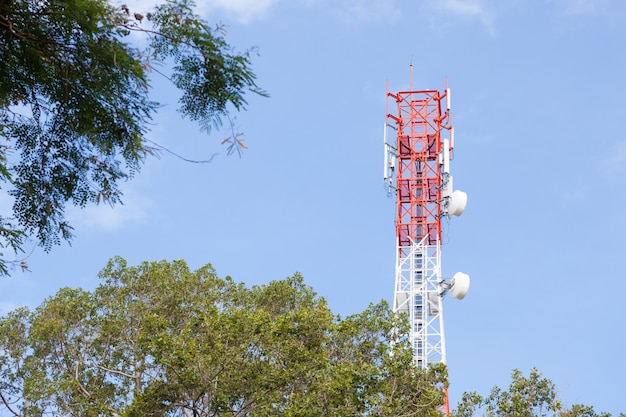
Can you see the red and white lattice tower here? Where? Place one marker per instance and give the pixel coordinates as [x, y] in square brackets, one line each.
[417, 170]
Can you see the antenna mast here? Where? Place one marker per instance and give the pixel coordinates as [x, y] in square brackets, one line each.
[417, 170]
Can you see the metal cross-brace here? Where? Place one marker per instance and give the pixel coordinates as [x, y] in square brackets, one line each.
[418, 293]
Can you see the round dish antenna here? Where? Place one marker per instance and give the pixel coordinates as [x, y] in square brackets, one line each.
[459, 285]
[458, 201]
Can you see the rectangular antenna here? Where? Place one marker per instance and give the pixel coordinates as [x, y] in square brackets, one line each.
[386, 151]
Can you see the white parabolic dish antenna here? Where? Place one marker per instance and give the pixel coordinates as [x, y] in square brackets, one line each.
[459, 285]
[458, 201]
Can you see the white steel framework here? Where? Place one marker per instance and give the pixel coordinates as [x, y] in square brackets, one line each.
[418, 293]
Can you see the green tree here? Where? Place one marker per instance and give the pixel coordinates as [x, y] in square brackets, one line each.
[532, 396]
[74, 102]
[579, 410]
[161, 340]
[526, 397]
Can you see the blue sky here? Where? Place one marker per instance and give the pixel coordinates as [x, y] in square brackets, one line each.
[538, 93]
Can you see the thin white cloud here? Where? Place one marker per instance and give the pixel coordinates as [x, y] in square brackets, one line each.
[469, 10]
[243, 11]
[613, 167]
[606, 8]
[246, 11]
[580, 6]
[16, 290]
[135, 210]
[364, 10]
[7, 307]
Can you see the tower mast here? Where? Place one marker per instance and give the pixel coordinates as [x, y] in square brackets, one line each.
[417, 171]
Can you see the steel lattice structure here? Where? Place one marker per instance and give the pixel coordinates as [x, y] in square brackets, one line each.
[417, 171]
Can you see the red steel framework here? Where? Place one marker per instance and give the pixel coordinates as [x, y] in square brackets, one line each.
[419, 120]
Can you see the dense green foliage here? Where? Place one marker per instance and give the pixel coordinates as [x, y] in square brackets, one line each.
[161, 340]
[74, 103]
[532, 396]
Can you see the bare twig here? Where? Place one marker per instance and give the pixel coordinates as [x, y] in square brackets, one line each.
[6, 404]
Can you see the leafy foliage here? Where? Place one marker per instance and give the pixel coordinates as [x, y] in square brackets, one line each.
[74, 103]
[159, 339]
[579, 410]
[532, 396]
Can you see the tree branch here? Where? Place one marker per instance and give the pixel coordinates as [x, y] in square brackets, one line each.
[186, 411]
[6, 404]
[83, 390]
[113, 371]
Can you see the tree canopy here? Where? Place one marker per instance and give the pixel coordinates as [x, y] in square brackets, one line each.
[75, 104]
[161, 340]
[532, 396]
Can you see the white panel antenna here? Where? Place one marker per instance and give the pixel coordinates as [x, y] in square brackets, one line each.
[390, 161]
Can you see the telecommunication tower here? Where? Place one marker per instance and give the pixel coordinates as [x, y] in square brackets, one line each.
[417, 170]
